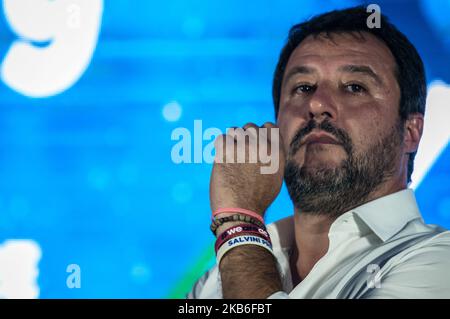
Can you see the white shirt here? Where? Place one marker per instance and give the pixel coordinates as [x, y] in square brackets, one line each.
[420, 271]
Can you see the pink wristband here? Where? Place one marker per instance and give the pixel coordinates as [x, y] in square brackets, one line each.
[238, 210]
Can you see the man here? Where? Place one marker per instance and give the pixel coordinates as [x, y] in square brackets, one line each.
[349, 103]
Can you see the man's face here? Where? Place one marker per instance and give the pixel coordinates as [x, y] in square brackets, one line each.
[339, 117]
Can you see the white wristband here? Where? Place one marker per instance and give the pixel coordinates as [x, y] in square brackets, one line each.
[240, 241]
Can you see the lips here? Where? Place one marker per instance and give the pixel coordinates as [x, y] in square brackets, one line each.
[319, 138]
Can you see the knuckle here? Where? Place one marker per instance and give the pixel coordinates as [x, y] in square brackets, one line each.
[269, 125]
[249, 125]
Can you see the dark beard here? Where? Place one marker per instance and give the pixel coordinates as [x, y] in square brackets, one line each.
[333, 191]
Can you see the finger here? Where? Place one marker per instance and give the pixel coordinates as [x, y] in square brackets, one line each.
[275, 141]
[246, 126]
[243, 134]
[270, 134]
[232, 130]
[252, 128]
[269, 125]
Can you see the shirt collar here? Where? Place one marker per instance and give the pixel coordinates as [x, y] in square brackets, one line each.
[385, 216]
[388, 215]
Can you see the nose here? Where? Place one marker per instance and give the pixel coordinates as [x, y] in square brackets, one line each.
[321, 105]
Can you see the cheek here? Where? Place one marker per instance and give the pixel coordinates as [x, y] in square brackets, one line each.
[365, 133]
[289, 126]
[362, 119]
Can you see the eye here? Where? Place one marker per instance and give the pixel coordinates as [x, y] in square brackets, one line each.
[304, 89]
[355, 88]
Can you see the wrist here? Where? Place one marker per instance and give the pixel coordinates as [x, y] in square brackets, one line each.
[236, 217]
[239, 210]
[225, 226]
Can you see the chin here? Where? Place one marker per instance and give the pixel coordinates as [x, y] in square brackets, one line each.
[324, 159]
[322, 163]
[312, 169]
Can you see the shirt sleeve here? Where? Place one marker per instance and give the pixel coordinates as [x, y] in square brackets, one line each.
[423, 273]
[208, 286]
[279, 295]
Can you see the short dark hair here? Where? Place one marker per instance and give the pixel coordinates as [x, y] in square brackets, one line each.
[410, 73]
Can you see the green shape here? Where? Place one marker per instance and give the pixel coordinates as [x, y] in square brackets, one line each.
[184, 285]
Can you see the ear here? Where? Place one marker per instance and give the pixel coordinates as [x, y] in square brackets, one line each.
[413, 132]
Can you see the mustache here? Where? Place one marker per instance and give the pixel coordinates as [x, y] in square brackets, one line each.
[341, 136]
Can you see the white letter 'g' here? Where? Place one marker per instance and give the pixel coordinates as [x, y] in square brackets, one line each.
[67, 31]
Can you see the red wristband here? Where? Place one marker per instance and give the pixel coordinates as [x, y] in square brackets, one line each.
[243, 228]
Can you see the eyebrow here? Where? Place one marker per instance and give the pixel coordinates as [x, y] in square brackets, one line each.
[363, 69]
[298, 70]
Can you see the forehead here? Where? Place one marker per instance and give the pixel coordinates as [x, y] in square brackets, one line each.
[344, 48]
